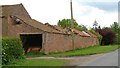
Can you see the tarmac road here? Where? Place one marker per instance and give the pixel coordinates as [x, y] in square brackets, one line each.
[104, 59]
[108, 59]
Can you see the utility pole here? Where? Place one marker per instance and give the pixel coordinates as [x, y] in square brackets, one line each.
[71, 21]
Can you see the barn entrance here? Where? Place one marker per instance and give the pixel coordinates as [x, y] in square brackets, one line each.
[31, 42]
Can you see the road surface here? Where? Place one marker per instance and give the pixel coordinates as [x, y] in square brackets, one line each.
[105, 59]
[108, 59]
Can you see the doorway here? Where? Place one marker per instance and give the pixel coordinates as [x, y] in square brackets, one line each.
[31, 41]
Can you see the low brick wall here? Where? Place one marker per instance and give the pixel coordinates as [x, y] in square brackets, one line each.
[83, 42]
[57, 43]
[60, 42]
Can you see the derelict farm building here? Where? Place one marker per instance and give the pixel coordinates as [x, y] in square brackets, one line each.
[17, 22]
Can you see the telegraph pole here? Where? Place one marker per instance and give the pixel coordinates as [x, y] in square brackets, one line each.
[71, 21]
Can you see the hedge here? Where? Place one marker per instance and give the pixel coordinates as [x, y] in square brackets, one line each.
[12, 50]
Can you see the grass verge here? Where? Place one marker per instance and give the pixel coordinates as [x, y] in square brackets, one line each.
[79, 52]
[27, 63]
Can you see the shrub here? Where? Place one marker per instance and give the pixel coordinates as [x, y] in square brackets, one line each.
[100, 37]
[11, 50]
[108, 36]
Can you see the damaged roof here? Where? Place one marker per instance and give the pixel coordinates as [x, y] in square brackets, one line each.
[36, 24]
[20, 12]
[58, 28]
[91, 34]
[80, 33]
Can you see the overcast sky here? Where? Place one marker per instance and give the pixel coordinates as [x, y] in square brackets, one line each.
[105, 12]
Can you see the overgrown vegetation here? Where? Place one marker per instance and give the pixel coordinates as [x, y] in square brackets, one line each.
[115, 27]
[66, 23]
[108, 36]
[11, 50]
[79, 52]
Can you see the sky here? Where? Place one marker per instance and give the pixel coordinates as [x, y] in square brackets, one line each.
[85, 12]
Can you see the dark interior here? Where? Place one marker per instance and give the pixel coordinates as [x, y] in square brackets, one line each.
[31, 40]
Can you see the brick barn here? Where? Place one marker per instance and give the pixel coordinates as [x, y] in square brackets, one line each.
[16, 22]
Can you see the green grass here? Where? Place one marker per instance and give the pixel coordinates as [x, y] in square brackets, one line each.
[39, 63]
[79, 52]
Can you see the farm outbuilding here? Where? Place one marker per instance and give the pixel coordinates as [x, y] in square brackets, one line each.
[47, 38]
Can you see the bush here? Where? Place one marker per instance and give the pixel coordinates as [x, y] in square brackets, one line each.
[12, 50]
[100, 37]
[108, 36]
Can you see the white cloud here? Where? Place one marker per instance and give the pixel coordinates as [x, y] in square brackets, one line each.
[104, 19]
[86, 15]
[52, 10]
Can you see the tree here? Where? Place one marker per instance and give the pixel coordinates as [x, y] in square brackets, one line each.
[67, 23]
[95, 24]
[116, 28]
[99, 27]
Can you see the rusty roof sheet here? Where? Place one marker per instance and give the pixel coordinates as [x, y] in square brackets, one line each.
[91, 34]
[86, 33]
[79, 32]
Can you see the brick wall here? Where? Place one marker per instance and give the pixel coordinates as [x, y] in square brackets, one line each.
[57, 43]
[4, 26]
[52, 42]
[60, 42]
[82, 42]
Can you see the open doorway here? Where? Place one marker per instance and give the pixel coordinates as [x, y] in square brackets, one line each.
[30, 41]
